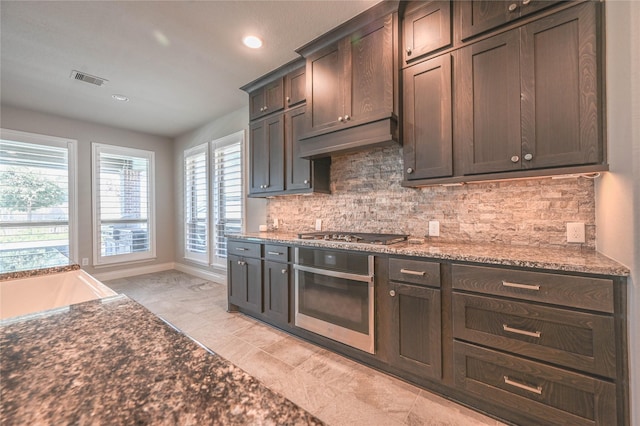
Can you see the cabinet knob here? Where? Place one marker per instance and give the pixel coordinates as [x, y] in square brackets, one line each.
[306, 181]
[340, 119]
[347, 117]
[526, 2]
[392, 293]
[284, 271]
[241, 262]
[512, 7]
[409, 50]
[409, 170]
[288, 99]
[515, 159]
[528, 157]
[265, 107]
[261, 109]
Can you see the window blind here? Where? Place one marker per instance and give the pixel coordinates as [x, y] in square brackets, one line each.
[227, 194]
[34, 202]
[123, 204]
[196, 204]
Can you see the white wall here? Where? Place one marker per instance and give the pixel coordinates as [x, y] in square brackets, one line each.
[618, 192]
[255, 209]
[86, 133]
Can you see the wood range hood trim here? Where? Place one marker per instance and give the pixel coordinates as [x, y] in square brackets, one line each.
[357, 138]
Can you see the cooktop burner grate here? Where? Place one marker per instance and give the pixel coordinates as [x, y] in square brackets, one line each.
[354, 237]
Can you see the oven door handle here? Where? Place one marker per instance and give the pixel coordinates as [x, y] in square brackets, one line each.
[335, 274]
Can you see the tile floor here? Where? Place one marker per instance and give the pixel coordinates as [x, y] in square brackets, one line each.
[333, 388]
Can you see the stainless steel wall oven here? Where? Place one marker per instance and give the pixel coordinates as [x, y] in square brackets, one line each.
[334, 295]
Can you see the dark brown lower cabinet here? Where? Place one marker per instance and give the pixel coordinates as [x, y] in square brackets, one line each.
[276, 291]
[542, 393]
[244, 281]
[416, 345]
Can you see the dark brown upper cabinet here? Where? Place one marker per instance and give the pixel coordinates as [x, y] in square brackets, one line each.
[295, 87]
[266, 155]
[302, 174]
[426, 27]
[266, 99]
[427, 122]
[529, 98]
[480, 16]
[352, 86]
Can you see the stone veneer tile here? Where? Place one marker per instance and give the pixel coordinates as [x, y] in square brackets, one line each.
[367, 196]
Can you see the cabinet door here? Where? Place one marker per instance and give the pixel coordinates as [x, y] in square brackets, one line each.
[245, 282]
[416, 345]
[426, 28]
[478, 16]
[295, 87]
[488, 104]
[561, 121]
[368, 84]
[427, 119]
[325, 88]
[276, 291]
[256, 104]
[267, 99]
[266, 146]
[298, 169]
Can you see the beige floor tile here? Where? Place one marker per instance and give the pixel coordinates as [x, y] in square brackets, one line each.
[292, 350]
[431, 409]
[260, 335]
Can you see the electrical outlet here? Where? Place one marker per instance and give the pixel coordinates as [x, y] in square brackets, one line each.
[85, 261]
[575, 232]
[434, 228]
[276, 223]
[318, 224]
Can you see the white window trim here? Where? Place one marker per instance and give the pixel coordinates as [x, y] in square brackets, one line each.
[202, 258]
[72, 147]
[238, 136]
[98, 260]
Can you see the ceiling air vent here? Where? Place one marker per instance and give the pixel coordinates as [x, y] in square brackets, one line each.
[77, 75]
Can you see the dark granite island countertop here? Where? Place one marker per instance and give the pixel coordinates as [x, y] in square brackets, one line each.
[111, 361]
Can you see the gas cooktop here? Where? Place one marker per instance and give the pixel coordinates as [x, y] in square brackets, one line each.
[354, 237]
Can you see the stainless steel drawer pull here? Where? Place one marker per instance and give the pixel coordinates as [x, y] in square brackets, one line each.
[537, 390]
[536, 334]
[274, 253]
[241, 249]
[534, 287]
[410, 272]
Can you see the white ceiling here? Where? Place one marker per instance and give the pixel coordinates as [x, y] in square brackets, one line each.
[180, 62]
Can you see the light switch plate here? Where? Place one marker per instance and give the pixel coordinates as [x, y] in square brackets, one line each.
[318, 224]
[575, 232]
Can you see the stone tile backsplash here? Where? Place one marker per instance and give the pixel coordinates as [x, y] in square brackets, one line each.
[367, 197]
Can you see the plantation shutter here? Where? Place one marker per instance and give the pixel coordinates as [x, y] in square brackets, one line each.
[227, 193]
[34, 201]
[196, 204]
[123, 192]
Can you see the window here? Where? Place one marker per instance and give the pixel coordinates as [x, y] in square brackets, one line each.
[196, 206]
[227, 191]
[221, 204]
[123, 204]
[37, 200]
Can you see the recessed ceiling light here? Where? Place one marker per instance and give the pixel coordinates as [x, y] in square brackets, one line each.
[121, 98]
[252, 42]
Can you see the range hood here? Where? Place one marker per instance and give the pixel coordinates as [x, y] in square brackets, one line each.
[357, 138]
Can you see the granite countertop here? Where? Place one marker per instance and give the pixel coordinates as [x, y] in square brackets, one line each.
[557, 259]
[111, 361]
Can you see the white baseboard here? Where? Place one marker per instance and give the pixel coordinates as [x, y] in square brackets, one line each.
[218, 275]
[131, 272]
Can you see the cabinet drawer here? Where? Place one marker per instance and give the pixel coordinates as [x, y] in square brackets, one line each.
[243, 248]
[414, 271]
[276, 252]
[548, 394]
[572, 339]
[577, 292]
